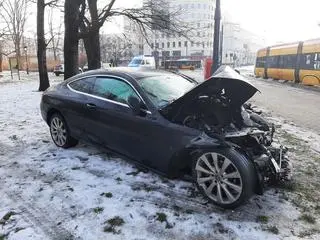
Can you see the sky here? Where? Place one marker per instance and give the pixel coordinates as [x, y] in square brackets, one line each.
[275, 21]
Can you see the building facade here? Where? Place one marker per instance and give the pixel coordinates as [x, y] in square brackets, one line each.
[196, 42]
[239, 46]
[134, 37]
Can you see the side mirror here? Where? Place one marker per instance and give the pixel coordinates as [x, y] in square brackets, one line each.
[134, 104]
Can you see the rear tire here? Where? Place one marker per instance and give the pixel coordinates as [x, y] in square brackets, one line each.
[60, 132]
[224, 176]
[57, 74]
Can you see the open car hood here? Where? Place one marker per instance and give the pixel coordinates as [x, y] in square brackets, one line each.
[224, 82]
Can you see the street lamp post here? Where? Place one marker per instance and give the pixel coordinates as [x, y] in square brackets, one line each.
[26, 54]
[221, 46]
[216, 40]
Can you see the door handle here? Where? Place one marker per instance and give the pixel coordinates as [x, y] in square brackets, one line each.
[91, 106]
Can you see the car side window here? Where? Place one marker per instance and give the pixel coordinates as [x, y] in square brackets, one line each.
[113, 89]
[84, 85]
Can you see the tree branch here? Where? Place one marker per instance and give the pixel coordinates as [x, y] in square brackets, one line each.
[105, 13]
[51, 3]
[47, 43]
[7, 54]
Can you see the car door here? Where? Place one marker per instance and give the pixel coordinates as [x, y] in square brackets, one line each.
[110, 114]
[113, 124]
[147, 137]
[76, 110]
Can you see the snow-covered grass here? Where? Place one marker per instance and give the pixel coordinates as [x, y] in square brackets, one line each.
[89, 193]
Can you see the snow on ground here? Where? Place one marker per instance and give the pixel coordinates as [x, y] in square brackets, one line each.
[246, 70]
[307, 136]
[89, 193]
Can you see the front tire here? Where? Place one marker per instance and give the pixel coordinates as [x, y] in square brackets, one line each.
[224, 176]
[60, 132]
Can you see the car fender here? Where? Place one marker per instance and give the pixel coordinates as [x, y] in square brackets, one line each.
[204, 141]
[182, 159]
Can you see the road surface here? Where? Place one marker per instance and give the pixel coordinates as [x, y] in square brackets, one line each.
[299, 105]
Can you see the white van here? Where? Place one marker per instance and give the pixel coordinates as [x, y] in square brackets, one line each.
[143, 61]
[59, 69]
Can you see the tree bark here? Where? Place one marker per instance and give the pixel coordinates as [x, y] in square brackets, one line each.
[54, 50]
[71, 37]
[41, 53]
[92, 46]
[92, 38]
[1, 57]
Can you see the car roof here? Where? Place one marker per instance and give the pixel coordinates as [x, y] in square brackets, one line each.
[125, 71]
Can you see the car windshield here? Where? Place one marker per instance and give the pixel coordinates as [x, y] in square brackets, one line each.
[136, 61]
[164, 89]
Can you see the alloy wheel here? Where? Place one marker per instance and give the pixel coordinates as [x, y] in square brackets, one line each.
[58, 131]
[219, 178]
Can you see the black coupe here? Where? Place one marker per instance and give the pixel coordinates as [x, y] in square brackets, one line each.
[172, 125]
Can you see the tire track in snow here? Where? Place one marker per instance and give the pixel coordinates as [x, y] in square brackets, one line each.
[173, 197]
[39, 218]
[35, 213]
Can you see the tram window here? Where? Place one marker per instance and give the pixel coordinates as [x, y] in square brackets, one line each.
[308, 59]
[273, 62]
[292, 61]
[289, 61]
[316, 64]
[259, 63]
[282, 62]
[311, 61]
[306, 62]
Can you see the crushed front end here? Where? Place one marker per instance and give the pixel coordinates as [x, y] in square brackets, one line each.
[256, 141]
[218, 107]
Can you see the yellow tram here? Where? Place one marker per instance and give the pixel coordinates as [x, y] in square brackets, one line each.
[298, 62]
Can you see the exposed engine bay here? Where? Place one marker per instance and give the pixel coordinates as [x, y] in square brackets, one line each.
[244, 129]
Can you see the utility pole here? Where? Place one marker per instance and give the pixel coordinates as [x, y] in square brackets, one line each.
[221, 47]
[216, 40]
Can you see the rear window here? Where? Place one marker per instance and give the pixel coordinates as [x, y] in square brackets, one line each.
[84, 85]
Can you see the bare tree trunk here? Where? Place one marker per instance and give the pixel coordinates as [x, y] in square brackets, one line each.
[54, 50]
[92, 39]
[1, 57]
[55, 34]
[18, 60]
[53, 40]
[42, 58]
[14, 15]
[71, 38]
[92, 46]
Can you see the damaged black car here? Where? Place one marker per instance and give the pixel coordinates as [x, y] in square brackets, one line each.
[173, 125]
